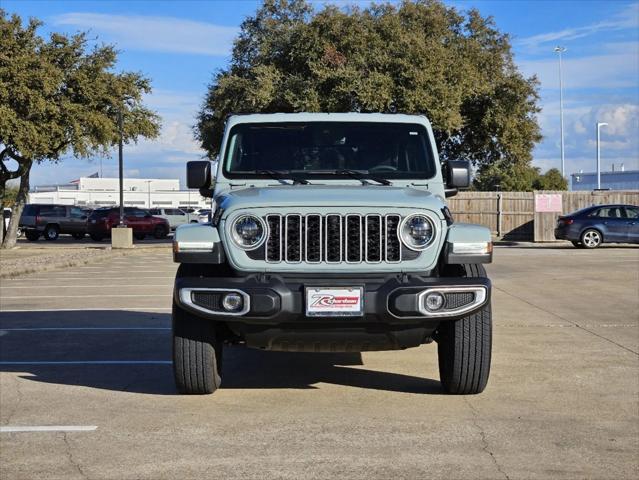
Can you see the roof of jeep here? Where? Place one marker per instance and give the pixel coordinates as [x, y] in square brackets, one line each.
[325, 117]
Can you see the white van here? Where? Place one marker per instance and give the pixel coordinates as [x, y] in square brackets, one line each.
[174, 216]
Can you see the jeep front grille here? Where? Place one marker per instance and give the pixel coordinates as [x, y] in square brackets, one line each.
[333, 238]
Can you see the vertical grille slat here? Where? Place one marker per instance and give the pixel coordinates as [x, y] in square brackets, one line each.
[333, 238]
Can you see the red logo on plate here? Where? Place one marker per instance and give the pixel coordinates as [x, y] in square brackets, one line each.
[334, 301]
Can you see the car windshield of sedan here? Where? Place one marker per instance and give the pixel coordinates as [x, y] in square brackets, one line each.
[322, 149]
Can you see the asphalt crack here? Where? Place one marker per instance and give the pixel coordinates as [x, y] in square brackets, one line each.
[70, 457]
[484, 442]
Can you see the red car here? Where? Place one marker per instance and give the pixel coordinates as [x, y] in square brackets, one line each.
[102, 220]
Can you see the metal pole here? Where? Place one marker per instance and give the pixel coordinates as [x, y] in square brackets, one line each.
[599, 125]
[148, 184]
[560, 50]
[120, 164]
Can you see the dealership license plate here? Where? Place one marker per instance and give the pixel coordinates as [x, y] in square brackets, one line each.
[334, 302]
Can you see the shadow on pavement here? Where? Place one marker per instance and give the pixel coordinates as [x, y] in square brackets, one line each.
[96, 336]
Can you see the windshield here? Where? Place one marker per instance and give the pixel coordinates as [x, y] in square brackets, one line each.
[319, 149]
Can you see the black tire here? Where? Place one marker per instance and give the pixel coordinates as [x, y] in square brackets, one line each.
[19, 232]
[591, 238]
[139, 236]
[160, 232]
[51, 232]
[464, 347]
[95, 237]
[197, 354]
[78, 236]
[577, 244]
[32, 235]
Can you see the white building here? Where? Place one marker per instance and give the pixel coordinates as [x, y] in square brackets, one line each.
[103, 192]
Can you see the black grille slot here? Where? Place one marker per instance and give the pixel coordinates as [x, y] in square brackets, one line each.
[393, 245]
[333, 238]
[293, 241]
[313, 238]
[459, 299]
[374, 238]
[209, 300]
[274, 242]
[354, 240]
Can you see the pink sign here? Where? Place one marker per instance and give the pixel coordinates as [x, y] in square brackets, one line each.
[548, 202]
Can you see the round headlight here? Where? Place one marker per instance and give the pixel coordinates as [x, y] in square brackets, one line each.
[417, 232]
[248, 232]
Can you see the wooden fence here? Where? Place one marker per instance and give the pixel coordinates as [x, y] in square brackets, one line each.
[512, 215]
[509, 215]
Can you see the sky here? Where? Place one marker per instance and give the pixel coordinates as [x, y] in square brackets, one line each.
[179, 45]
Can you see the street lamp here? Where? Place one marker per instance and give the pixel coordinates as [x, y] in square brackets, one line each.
[599, 125]
[120, 166]
[560, 50]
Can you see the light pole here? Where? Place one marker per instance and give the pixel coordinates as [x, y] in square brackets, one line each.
[560, 50]
[120, 166]
[599, 125]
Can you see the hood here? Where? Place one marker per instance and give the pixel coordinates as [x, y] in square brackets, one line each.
[348, 196]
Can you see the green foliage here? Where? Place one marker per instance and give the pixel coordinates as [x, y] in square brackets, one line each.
[9, 196]
[551, 180]
[518, 177]
[416, 57]
[57, 96]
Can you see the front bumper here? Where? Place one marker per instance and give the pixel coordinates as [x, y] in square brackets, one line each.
[391, 300]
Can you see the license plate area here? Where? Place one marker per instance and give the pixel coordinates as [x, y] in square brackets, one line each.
[334, 301]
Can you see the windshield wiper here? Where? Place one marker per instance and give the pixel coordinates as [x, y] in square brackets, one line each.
[361, 176]
[281, 175]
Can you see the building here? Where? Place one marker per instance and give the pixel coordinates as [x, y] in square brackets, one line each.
[615, 180]
[104, 192]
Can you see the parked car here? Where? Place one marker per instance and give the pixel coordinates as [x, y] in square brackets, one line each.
[174, 216]
[204, 215]
[6, 214]
[102, 220]
[51, 220]
[592, 226]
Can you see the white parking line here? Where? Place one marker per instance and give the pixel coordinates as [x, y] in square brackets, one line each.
[47, 329]
[92, 309]
[90, 286]
[45, 279]
[83, 296]
[52, 428]
[93, 362]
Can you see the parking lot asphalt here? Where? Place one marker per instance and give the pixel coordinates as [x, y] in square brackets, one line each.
[85, 356]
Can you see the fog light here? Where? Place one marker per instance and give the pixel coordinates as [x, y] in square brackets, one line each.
[434, 301]
[232, 302]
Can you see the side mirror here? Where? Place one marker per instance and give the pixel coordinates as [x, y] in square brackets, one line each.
[198, 174]
[458, 175]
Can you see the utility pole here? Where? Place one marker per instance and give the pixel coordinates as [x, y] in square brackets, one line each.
[121, 167]
[599, 125]
[560, 50]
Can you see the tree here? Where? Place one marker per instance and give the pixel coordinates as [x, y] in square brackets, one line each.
[59, 97]
[551, 180]
[519, 177]
[416, 57]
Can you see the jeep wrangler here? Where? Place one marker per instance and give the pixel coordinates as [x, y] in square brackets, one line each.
[330, 233]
